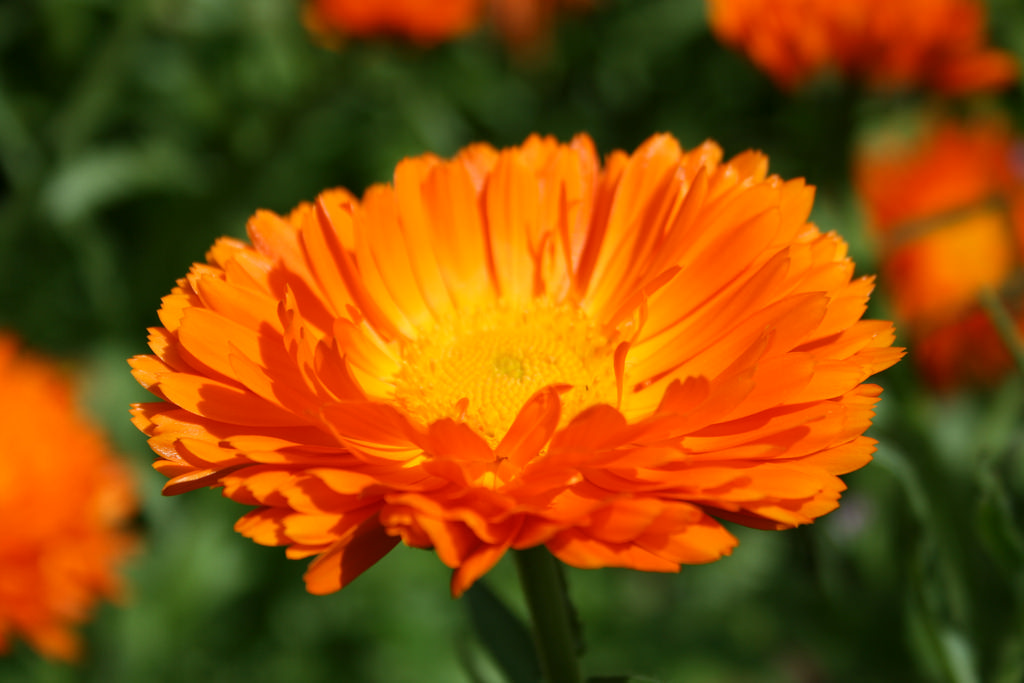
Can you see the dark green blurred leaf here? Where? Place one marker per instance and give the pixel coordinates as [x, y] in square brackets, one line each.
[503, 634]
[470, 666]
[997, 527]
[999, 425]
[943, 649]
[900, 467]
[1010, 664]
[20, 155]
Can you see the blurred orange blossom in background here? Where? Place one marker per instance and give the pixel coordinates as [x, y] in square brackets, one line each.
[65, 500]
[423, 21]
[949, 209]
[523, 22]
[517, 348]
[936, 44]
[520, 23]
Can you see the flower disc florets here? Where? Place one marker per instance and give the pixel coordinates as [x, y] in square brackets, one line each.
[480, 369]
[518, 348]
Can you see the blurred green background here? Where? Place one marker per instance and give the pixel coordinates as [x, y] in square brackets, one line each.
[132, 134]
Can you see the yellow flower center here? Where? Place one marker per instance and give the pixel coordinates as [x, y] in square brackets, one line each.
[481, 368]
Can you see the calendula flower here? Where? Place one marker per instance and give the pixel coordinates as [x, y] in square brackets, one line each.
[65, 500]
[936, 44]
[517, 348]
[949, 212]
[423, 21]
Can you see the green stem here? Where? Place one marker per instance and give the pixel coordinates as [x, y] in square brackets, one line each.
[539, 574]
[1005, 325]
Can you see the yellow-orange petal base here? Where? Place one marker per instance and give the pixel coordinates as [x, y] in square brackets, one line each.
[935, 44]
[65, 499]
[948, 208]
[522, 347]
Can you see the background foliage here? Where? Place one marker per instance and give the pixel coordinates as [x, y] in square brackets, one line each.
[132, 134]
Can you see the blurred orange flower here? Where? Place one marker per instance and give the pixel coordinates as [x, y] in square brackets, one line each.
[517, 348]
[950, 212]
[523, 22]
[65, 499]
[424, 21]
[937, 44]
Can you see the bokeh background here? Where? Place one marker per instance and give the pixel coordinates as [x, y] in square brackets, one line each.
[132, 134]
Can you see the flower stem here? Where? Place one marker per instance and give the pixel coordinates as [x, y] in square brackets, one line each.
[550, 609]
[1005, 326]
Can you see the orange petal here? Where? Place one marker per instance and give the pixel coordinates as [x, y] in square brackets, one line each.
[348, 558]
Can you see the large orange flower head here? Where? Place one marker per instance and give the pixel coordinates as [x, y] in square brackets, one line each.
[936, 44]
[423, 21]
[517, 348]
[949, 210]
[65, 500]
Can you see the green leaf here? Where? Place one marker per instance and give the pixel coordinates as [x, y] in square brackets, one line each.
[996, 429]
[469, 657]
[1005, 325]
[104, 176]
[997, 528]
[959, 656]
[1010, 663]
[504, 636]
[943, 650]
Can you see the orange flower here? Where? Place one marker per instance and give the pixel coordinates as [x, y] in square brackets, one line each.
[950, 212]
[519, 348]
[423, 21]
[938, 44]
[64, 498]
[523, 22]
